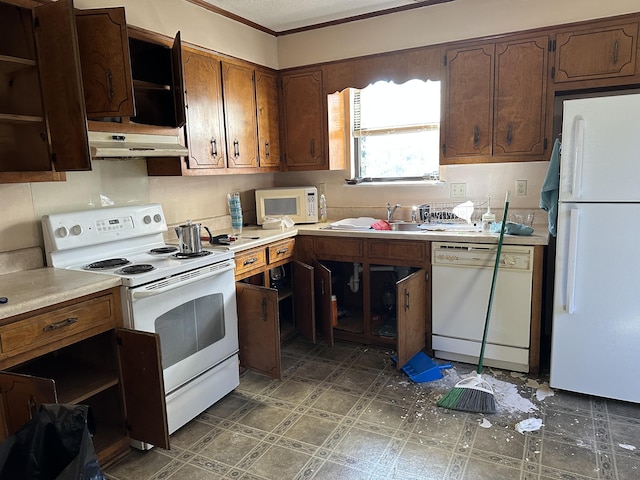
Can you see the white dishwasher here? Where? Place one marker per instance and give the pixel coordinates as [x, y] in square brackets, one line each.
[461, 282]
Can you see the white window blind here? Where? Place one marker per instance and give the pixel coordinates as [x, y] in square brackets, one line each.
[386, 108]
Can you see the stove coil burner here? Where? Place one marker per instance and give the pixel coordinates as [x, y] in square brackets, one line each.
[139, 268]
[183, 255]
[164, 250]
[109, 263]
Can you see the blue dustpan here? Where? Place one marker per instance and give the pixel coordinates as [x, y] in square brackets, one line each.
[421, 368]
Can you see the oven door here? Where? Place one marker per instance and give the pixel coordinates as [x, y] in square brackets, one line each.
[195, 315]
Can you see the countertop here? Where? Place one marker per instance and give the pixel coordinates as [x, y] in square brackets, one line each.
[255, 236]
[29, 290]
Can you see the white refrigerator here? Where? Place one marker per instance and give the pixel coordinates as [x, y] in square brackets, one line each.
[595, 342]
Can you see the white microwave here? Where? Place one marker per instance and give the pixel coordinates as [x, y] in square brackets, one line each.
[298, 203]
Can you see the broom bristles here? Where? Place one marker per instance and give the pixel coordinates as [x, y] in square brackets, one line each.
[472, 394]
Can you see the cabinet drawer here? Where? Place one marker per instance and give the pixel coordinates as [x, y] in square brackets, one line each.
[47, 328]
[281, 250]
[250, 260]
[338, 248]
[404, 252]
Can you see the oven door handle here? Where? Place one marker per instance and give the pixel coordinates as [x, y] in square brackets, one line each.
[179, 283]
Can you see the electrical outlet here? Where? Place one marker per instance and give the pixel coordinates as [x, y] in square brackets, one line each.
[521, 188]
[458, 190]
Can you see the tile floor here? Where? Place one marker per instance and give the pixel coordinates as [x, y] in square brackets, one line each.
[346, 413]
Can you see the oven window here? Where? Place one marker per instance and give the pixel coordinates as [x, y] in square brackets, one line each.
[190, 327]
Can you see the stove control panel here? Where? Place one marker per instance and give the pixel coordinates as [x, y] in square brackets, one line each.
[65, 231]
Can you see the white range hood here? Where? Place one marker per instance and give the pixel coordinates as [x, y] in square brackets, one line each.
[133, 145]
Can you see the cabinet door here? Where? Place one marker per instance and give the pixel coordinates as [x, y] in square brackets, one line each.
[106, 67]
[468, 103]
[323, 293]
[303, 121]
[599, 53]
[520, 97]
[205, 117]
[258, 329]
[178, 82]
[240, 115]
[411, 310]
[20, 397]
[143, 385]
[268, 121]
[304, 300]
[61, 84]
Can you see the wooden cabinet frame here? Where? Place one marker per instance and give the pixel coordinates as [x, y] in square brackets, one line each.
[116, 371]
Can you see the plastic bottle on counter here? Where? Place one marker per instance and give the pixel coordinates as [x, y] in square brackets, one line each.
[322, 203]
[488, 218]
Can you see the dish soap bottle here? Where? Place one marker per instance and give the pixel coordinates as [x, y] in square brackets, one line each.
[488, 218]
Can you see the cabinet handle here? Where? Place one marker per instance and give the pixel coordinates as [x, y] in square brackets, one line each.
[236, 148]
[62, 323]
[406, 299]
[280, 251]
[322, 287]
[266, 149]
[214, 147]
[615, 52]
[476, 136]
[264, 309]
[110, 92]
[249, 261]
[509, 134]
[312, 147]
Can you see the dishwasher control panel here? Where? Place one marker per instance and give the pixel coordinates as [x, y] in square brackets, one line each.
[513, 257]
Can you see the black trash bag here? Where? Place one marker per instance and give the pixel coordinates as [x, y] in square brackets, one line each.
[54, 445]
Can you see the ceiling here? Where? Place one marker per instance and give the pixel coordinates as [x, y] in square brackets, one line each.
[283, 16]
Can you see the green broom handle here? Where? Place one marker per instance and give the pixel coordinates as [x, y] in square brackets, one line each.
[493, 284]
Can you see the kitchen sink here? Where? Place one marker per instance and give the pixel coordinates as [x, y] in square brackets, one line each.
[406, 226]
[450, 227]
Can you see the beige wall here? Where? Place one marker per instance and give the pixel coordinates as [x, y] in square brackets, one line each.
[121, 182]
[445, 22]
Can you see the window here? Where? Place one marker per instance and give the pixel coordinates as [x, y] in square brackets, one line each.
[396, 131]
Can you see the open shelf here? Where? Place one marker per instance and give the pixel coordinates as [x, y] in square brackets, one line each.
[20, 119]
[9, 64]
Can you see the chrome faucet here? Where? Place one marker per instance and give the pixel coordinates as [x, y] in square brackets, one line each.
[391, 210]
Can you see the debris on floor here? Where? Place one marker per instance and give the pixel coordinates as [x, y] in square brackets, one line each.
[529, 425]
[485, 423]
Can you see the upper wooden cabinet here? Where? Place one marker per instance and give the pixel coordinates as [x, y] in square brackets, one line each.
[106, 66]
[42, 116]
[133, 78]
[468, 117]
[596, 53]
[238, 84]
[231, 107]
[303, 121]
[205, 115]
[495, 102]
[520, 99]
[268, 119]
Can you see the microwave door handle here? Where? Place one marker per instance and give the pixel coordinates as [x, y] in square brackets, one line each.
[151, 293]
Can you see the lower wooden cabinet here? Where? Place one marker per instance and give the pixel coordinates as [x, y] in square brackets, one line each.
[274, 294]
[116, 372]
[273, 306]
[380, 287]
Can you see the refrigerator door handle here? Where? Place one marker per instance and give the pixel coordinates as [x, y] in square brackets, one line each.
[574, 159]
[571, 262]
